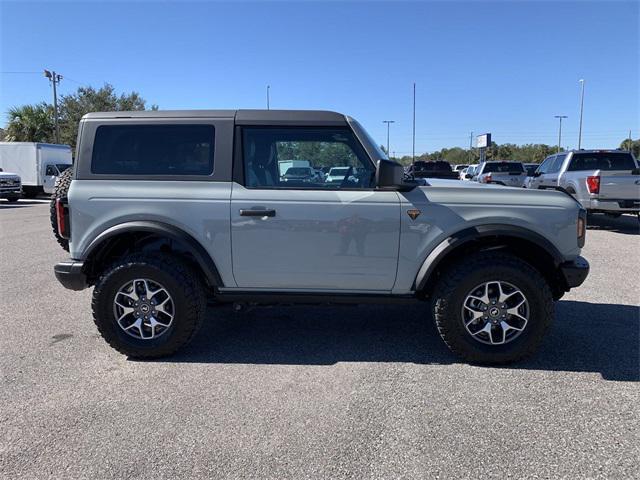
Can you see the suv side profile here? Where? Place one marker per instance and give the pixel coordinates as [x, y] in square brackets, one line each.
[166, 211]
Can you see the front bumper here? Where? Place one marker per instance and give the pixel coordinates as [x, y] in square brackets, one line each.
[575, 272]
[69, 273]
[10, 192]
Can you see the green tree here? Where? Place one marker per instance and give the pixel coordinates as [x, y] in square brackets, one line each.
[30, 123]
[88, 99]
[632, 145]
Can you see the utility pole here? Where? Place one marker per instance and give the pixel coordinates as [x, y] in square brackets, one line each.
[54, 79]
[470, 147]
[388, 122]
[413, 149]
[629, 144]
[268, 88]
[560, 117]
[581, 109]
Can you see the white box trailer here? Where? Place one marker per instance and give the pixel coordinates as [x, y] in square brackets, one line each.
[37, 164]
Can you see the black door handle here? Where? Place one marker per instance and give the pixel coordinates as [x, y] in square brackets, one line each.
[257, 213]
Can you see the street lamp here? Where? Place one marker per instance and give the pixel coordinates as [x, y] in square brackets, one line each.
[560, 117]
[268, 88]
[388, 122]
[581, 109]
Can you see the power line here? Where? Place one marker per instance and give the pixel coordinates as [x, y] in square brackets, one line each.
[22, 73]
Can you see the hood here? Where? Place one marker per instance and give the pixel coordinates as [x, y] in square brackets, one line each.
[9, 176]
[441, 182]
[458, 192]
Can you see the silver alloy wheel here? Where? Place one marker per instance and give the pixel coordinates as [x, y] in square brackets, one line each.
[143, 309]
[495, 312]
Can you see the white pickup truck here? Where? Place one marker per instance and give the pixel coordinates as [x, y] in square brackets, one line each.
[603, 181]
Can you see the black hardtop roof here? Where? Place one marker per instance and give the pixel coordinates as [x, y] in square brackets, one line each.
[246, 117]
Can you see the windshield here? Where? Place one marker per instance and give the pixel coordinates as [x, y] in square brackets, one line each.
[339, 171]
[298, 171]
[602, 161]
[503, 167]
[62, 166]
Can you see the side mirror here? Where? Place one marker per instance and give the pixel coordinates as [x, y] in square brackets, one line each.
[1, 170]
[390, 175]
[537, 174]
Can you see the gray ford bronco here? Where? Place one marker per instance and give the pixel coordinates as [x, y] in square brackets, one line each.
[165, 212]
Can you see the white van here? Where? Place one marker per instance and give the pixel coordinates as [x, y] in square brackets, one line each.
[37, 164]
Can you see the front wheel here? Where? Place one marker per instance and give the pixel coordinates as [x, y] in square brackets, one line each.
[148, 306]
[492, 308]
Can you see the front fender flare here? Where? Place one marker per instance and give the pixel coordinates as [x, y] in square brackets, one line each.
[471, 234]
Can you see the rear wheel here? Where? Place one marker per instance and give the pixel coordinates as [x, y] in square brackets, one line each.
[12, 199]
[148, 306]
[492, 308]
[60, 190]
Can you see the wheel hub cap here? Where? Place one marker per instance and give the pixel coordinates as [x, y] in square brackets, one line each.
[143, 309]
[495, 312]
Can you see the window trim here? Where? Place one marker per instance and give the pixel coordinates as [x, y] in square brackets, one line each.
[238, 163]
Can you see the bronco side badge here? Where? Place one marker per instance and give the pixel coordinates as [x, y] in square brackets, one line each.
[413, 213]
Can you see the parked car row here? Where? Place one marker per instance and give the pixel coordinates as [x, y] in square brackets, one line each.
[603, 181]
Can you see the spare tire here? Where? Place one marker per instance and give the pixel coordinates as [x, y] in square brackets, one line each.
[60, 191]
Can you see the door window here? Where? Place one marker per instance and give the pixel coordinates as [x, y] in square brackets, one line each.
[555, 166]
[544, 166]
[311, 158]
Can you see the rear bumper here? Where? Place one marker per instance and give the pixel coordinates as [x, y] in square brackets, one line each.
[575, 272]
[618, 205]
[69, 273]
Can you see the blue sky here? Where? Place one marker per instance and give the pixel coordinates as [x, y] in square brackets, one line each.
[500, 67]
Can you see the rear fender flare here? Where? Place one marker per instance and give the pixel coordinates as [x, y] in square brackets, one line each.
[171, 232]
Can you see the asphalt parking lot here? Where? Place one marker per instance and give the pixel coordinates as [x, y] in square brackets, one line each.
[298, 392]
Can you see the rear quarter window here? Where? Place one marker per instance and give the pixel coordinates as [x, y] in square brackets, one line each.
[153, 150]
[601, 161]
[503, 167]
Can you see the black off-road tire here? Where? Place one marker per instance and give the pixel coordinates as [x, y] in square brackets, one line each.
[60, 191]
[459, 280]
[12, 199]
[182, 283]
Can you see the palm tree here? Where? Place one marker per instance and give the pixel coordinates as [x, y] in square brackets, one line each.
[30, 123]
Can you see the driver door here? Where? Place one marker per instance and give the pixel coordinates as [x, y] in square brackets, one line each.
[50, 175]
[312, 234]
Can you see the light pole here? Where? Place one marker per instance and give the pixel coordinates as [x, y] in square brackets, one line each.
[560, 117]
[268, 88]
[413, 147]
[54, 79]
[388, 122]
[581, 109]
